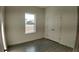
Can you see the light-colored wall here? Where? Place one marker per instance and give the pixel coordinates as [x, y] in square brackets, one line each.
[64, 22]
[15, 25]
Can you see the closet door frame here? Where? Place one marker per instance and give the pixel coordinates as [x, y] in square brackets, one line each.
[77, 34]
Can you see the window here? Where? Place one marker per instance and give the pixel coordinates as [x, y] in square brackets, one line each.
[30, 23]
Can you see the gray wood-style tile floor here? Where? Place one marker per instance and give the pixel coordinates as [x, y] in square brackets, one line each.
[40, 45]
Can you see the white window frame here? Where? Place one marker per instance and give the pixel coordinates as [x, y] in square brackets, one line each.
[34, 23]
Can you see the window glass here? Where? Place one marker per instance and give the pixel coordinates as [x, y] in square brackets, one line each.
[30, 23]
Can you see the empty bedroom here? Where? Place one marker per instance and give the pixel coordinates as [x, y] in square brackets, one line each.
[38, 28]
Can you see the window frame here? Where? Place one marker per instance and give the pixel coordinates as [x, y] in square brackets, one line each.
[34, 23]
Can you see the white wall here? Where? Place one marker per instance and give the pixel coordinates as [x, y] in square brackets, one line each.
[64, 22]
[15, 25]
